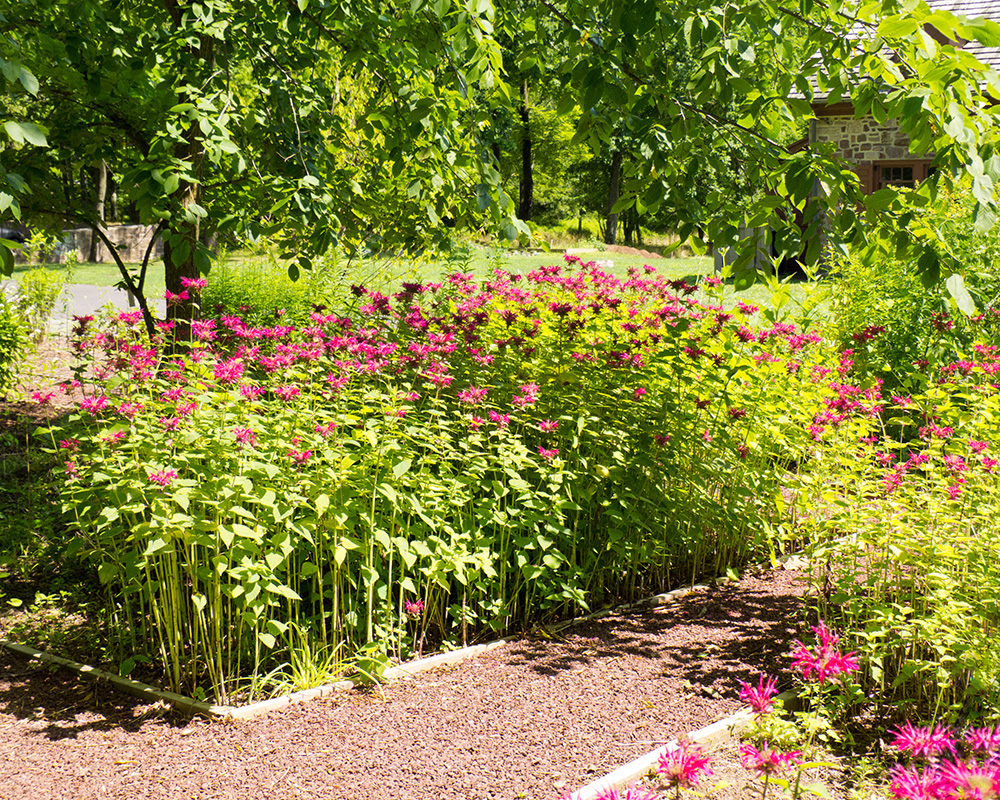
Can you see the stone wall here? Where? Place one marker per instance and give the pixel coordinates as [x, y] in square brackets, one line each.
[864, 139]
[131, 242]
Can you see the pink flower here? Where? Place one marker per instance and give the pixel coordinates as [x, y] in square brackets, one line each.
[547, 425]
[759, 697]
[978, 447]
[476, 422]
[326, 430]
[203, 329]
[631, 793]
[640, 392]
[170, 423]
[737, 413]
[94, 405]
[245, 436]
[175, 299]
[42, 398]
[683, 766]
[972, 781]
[825, 662]
[984, 740]
[472, 396]
[912, 784]
[924, 742]
[287, 393]
[194, 283]
[70, 444]
[501, 420]
[72, 470]
[300, 458]
[766, 761]
[163, 477]
[229, 371]
[548, 455]
[414, 609]
[954, 491]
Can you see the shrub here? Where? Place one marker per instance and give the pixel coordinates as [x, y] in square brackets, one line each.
[37, 294]
[12, 343]
[903, 525]
[260, 290]
[501, 453]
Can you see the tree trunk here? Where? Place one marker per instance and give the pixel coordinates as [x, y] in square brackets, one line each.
[614, 181]
[99, 176]
[527, 173]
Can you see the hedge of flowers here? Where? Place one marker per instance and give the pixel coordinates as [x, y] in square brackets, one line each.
[902, 520]
[489, 454]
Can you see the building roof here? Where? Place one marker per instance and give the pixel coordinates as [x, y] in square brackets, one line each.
[971, 9]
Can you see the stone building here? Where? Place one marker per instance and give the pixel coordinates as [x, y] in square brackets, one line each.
[880, 152]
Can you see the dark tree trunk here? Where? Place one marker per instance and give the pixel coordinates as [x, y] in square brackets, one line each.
[99, 177]
[527, 173]
[614, 182]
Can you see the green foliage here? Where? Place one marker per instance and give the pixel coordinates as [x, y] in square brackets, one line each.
[903, 537]
[258, 289]
[504, 453]
[38, 291]
[13, 339]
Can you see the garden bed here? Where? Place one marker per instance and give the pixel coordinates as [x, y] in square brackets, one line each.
[530, 719]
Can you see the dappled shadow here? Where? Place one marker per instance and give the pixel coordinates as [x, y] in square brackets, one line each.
[61, 705]
[711, 639]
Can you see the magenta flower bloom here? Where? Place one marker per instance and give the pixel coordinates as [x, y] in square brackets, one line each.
[548, 455]
[245, 436]
[683, 766]
[547, 425]
[913, 784]
[924, 742]
[501, 420]
[42, 398]
[639, 393]
[300, 458]
[94, 405]
[978, 781]
[163, 477]
[69, 444]
[287, 393]
[472, 396]
[825, 662]
[194, 283]
[175, 299]
[476, 422]
[414, 608]
[759, 697]
[631, 793]
[326, 430]
[737, 413]
[766, 761]
[984, 740]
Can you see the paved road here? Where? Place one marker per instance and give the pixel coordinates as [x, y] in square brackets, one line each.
[79, 299]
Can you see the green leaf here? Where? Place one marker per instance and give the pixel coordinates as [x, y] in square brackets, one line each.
[929, 267]
[267, 640]
[956, 288]
[402, 467]
[156, 546]
[22, 132]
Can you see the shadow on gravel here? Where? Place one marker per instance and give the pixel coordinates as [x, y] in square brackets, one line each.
[711, 639]
[62, 706]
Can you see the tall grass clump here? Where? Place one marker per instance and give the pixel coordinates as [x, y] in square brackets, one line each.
[444, 463]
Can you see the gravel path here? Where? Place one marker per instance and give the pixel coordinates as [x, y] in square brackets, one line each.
[526, 720]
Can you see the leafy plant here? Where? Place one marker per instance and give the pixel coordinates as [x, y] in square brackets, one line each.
[13, 339]
[37, 294]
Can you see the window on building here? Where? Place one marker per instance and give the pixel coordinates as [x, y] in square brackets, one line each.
[901, 173]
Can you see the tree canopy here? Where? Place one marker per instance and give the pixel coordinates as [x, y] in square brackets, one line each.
[329, 123]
